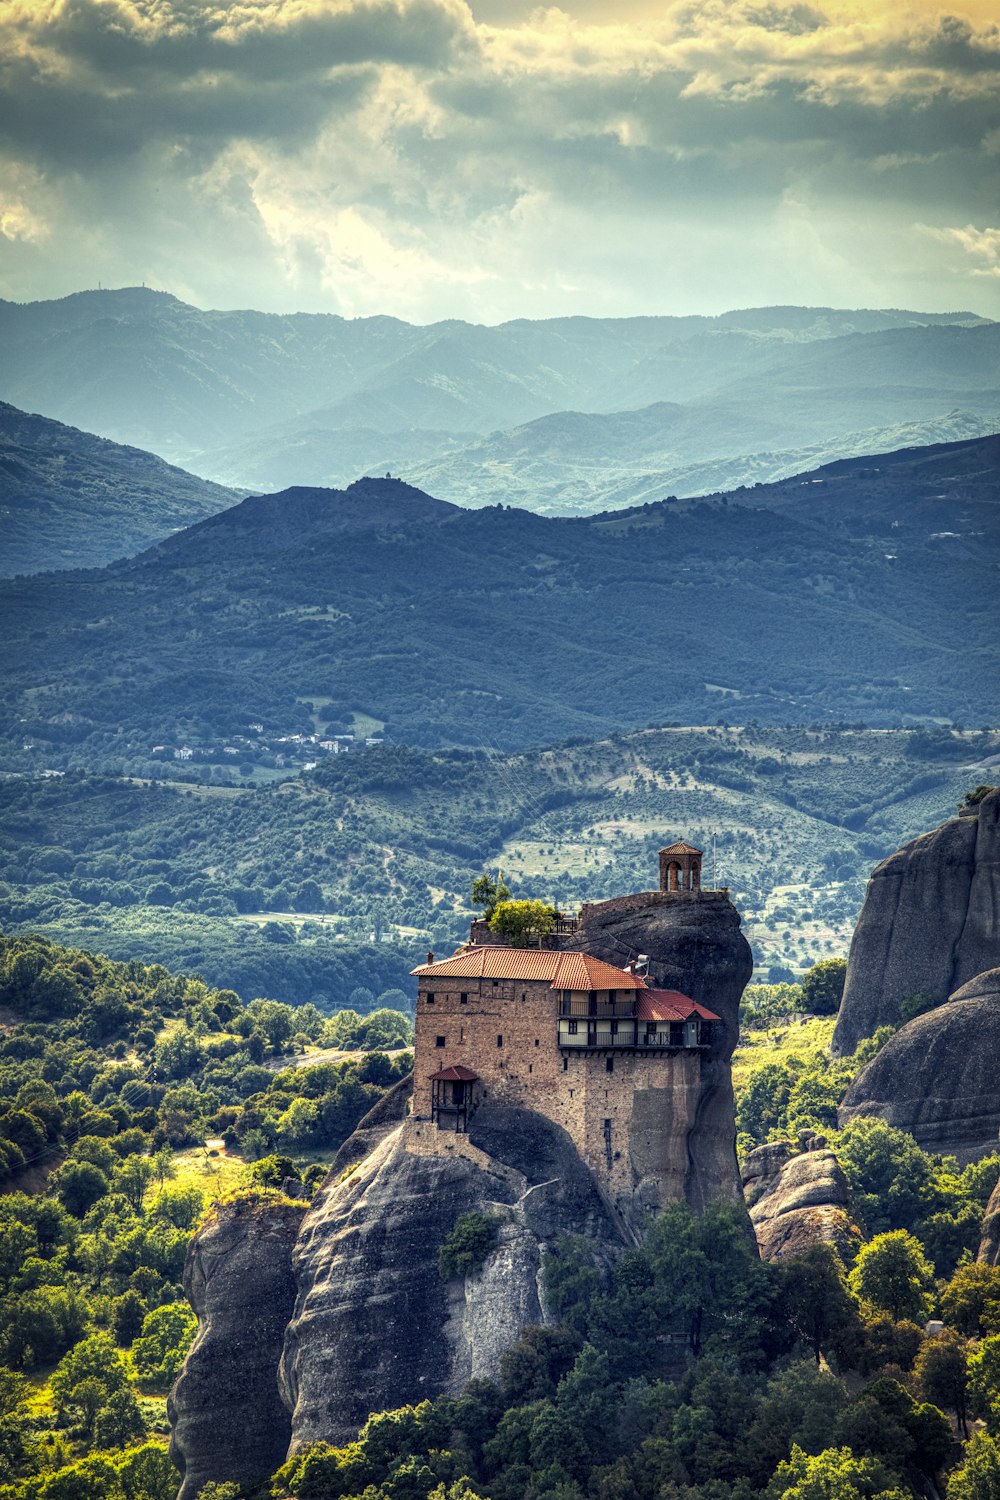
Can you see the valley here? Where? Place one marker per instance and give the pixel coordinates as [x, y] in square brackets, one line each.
[281, 889]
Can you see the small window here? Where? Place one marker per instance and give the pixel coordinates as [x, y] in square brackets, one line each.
[565, 1064]
[440, 1041]
[524, 996]
[499, 1039]
[496, 983]
[612, 996]
[430, 997]
[463, 998]
[610, 1064]
[537, 1042]
[614, 1028]
[574, 1027]
[531, 1068]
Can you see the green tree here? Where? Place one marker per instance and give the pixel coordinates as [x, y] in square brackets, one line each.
[468, 1245]
[971, 1300]
[79, 1186]
[942, 1375]
[892, 1180]
[86, 1379]
[522, 922]
[823, 987]
[977, 1477]
[133, 1178]
[488, 893]
[834, 1474]
[893, 1274]
[167, 1335]
[817, 1301]
[984, 1381]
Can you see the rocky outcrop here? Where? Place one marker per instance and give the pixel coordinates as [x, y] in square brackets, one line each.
[374, 1324]
[937, 1077]
[989, 1244]
[228, 1421]
[930, 922]
[695, 945]
[797, 1200]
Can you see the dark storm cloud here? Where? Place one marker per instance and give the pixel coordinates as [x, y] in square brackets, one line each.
[397, 156]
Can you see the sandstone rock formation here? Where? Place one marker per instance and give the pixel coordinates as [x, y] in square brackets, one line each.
[937, 1077]
[374, 1324]
[930, 922]
[226, 1414]
[797, 1200]
[695, 945]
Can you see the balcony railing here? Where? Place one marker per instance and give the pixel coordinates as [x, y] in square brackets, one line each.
[635, 1036]
[604, 1010]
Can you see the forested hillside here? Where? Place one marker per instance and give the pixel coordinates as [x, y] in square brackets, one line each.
[132, 1099]
[71, 500]
[136, 1100]
[864, 591]
[281, 890]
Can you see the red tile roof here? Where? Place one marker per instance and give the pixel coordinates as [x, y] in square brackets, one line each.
[564, 971]
[671, 1005]
[681, 848]
[456, 1074]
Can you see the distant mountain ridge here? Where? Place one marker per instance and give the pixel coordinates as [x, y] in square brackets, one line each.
[72, 500]
[263, 401]
[862, 591]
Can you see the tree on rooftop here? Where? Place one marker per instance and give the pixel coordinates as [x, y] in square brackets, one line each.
[522, 922]
[489, 893]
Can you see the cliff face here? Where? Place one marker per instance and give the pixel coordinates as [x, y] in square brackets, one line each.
[937, 1077]
[694, 945]
[374, 1324]
[930, 922]
[797, 1200]
[228, 1421]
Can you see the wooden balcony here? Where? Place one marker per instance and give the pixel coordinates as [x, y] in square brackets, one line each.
[595, 1035]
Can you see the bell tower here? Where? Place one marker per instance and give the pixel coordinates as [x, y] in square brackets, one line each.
[680, 868]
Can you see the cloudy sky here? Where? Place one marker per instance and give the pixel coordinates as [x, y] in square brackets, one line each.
[493, 159]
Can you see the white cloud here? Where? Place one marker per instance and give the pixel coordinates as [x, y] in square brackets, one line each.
[410, 156]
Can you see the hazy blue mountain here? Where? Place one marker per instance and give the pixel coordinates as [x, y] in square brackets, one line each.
[577, 463]
[862, 591]
[71, 500]
[264, 401]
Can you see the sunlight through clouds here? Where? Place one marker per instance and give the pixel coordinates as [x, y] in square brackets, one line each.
[392, 155]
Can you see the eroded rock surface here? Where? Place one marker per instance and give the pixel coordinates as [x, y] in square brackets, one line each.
[797, 1200]
[929, 923]
[228, 1421]
[937, 1077]
[694, 945]
[374, 1325]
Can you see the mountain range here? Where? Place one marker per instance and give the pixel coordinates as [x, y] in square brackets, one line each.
[72, 500]
[865, 590]
[566, 415]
